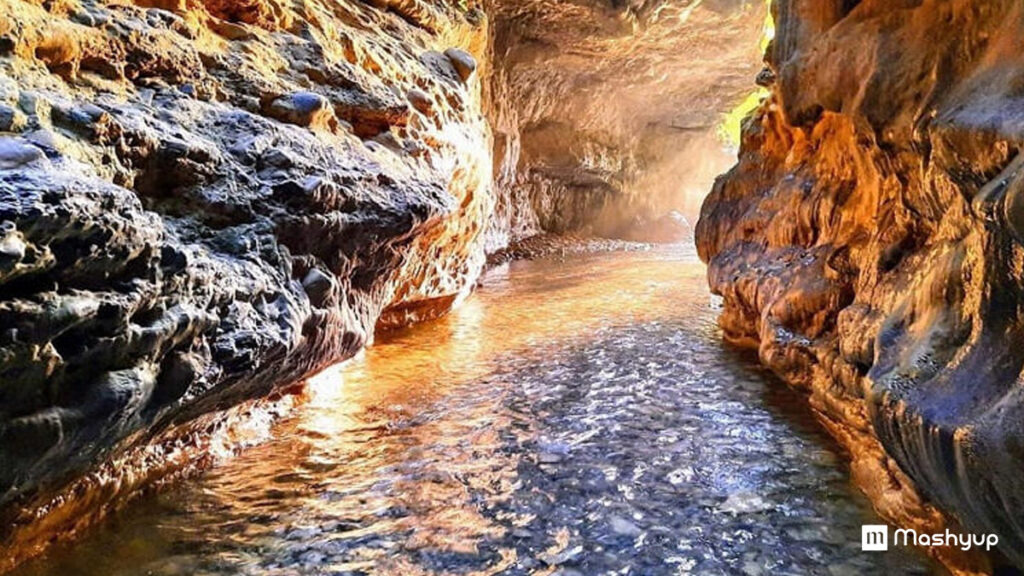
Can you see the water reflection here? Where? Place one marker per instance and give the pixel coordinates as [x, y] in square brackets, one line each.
[573, 417]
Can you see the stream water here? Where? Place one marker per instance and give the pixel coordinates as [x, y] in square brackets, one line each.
[573, 417]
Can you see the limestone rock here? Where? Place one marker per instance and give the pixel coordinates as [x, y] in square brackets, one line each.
[318, 286]
[306, 109]
[421, 101]
[868, 244]
[463, 62]
[16, 154]
[174, 241]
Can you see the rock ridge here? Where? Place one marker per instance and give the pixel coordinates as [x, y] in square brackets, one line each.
[868, 245]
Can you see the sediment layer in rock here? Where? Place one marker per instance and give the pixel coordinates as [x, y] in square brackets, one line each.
[869, 244]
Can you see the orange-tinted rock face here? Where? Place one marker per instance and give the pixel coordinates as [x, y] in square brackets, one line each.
[201, 202]
[605, 112]
[868, 244]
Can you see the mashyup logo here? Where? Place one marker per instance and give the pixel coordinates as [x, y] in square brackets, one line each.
[875, 538]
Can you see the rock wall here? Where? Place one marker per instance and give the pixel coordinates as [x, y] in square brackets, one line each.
[203, 201]
[605, 112]
[869, 243]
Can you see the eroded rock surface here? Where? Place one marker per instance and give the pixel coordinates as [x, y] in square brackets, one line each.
[605, 113]
[868, 243]
[203, 201]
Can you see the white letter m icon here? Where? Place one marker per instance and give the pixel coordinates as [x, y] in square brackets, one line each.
[874, 538]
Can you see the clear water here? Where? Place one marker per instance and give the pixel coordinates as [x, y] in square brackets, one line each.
[573, 417]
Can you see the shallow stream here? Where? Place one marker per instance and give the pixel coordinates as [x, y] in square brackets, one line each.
[572, 417]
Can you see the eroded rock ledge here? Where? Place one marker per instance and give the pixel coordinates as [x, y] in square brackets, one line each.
[204, 201]
[869, 243]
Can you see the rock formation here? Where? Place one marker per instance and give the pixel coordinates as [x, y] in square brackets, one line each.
[869, 244]
[605, 113]
[203, 202]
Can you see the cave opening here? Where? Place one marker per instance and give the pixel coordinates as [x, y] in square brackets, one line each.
[614, 120]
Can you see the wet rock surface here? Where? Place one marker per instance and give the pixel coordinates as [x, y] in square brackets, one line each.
[574, 417]
[867, 244]
[201, 202]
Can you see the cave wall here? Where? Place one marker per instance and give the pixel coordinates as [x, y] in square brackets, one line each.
[606, 113]
[869, 244]
[203, 201]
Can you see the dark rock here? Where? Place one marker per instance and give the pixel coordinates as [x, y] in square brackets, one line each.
[89, 120]
[464, 63]
[305, 109]
[44, 140]
[178, 373]
[33, 434]
[766, 78]
[33, 104]
[230, 30]
[15, 153]
[421, 101]
[318, 286]
[12, 247]
[8, 119]
[84, 18]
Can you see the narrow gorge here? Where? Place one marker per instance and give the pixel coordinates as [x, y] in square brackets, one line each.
[408, 286]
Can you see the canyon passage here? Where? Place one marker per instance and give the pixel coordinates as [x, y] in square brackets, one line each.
[579, 416]
[411, 286]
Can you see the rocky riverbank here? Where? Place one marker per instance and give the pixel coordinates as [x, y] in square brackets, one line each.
[560, 246]
[201, 204]
[868, 244]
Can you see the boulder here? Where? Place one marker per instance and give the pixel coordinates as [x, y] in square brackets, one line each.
[306, 109]
[463, 62]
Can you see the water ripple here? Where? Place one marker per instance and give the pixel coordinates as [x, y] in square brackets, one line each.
[575, 417]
